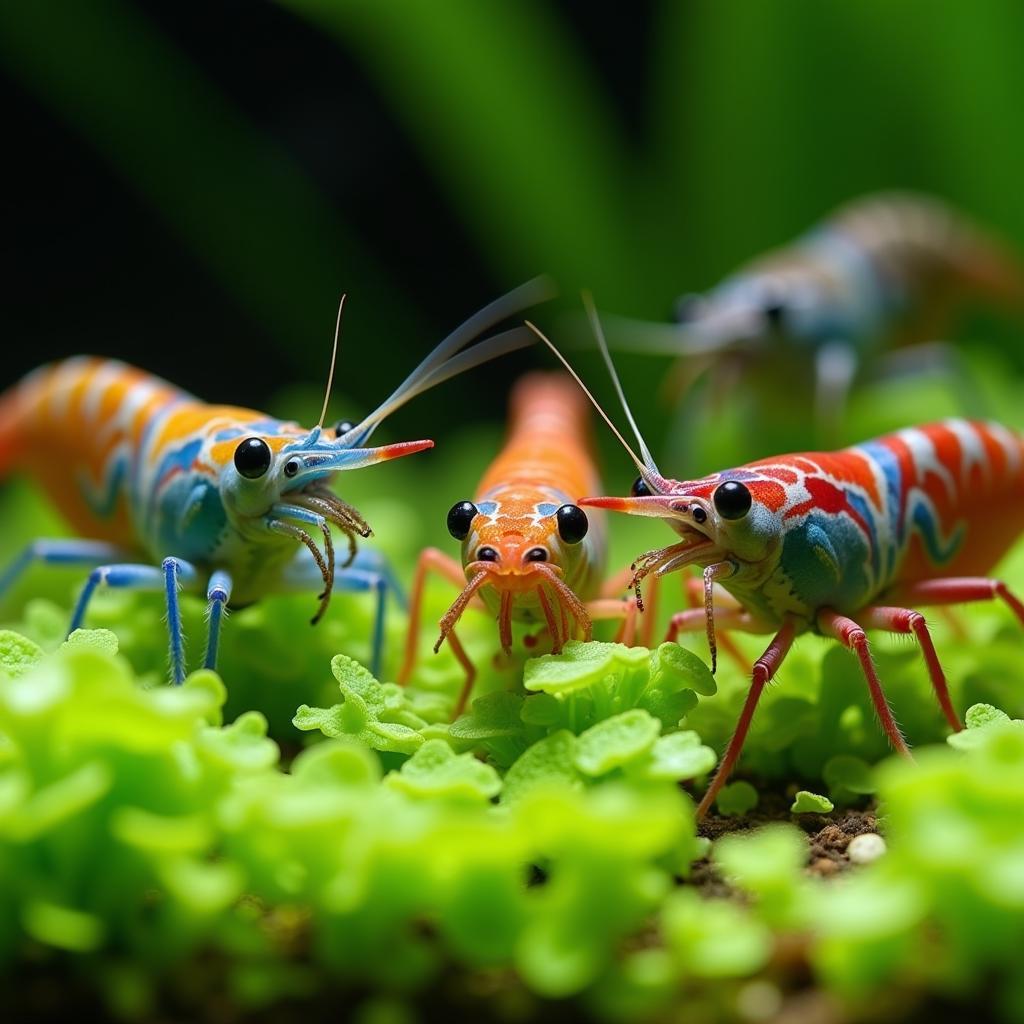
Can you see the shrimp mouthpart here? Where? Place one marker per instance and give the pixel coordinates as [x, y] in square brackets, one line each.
[328, 508]
[559, 605]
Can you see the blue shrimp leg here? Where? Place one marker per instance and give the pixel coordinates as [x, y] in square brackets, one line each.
[70, 551]
[169, 577]
[369, 572]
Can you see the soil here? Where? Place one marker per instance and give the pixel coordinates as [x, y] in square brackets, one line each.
[828, 837]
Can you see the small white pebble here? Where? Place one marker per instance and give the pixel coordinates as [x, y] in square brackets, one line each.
[758, 1001]
[863, 849]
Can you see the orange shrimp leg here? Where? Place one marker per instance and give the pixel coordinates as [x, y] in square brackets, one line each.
[764, 669]
[851, 635]
[649, 612]
[436, 560]
[624, 608]
[170, 577]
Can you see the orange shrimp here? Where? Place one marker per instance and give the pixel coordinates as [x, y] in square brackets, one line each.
[529, 552]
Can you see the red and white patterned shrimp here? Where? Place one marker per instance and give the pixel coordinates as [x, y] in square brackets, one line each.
[836, 542]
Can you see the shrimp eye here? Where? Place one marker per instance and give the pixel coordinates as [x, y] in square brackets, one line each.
[460, 516]
[342, 427]
[774, 314]
[487, 555]
[640, 488]
[732, 500]
[572, 523]
[536, 555]
[252, 458]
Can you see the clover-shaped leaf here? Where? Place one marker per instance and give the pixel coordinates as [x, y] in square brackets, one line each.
[847, 774]
[493, 715]
[616, 741]
[982, 721]
[549, 762]
[367, 712]
[435, 770]
[806, 802]
[580, 665]
[243, 745]
[675, 668]
[736, 799]
[676, 757]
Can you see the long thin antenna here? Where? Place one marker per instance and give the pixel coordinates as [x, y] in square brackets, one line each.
[334, 359]
[593, 401]
[595, 324]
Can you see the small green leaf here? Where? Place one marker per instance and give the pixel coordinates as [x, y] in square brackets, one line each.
[243, 745]
[580, 665]
[616, 741]
[102, 640]
[736, 799]
[435, 770]
[844, 772]
[17, 653]
[765, 858]
[549, 762]
[495, 714]
[979, 715]
[676, 668]
[811, 803]
[62, 927]
[676, 757]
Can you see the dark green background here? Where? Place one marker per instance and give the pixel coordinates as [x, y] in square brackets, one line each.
[191, 186]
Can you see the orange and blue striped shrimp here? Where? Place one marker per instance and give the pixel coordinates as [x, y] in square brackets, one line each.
[223, 499]
[885, 269]
[528, 551]
[836, 542]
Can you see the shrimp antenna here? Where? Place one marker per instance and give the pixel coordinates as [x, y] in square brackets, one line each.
[334, 359]
[602, 344]
[593, 401]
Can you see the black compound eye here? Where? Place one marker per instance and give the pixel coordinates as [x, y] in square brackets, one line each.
[572, 523]
[640, 488]
[342, 427]
[252, 458]
[460, 516]
[732, 500]
[487, 555]
[774, 313]
[536, 555]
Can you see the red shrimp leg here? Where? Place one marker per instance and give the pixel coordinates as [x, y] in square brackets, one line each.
[444, 565]
[764, 669]
[694, 590]
[851, 635]
[905, 620]
[961, 590]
